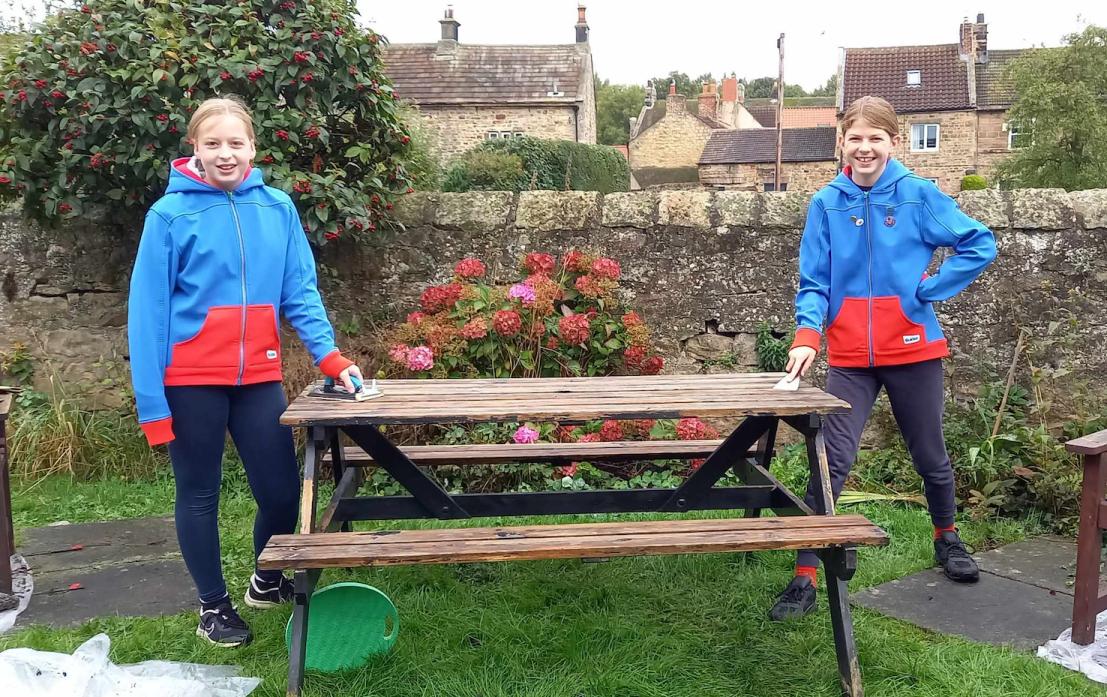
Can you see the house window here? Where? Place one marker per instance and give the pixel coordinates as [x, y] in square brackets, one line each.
[496, 135]
[1016, 138]
[924, 137]
[914, 78]
[771, 185]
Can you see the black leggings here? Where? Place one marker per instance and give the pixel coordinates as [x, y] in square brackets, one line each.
[202, 415]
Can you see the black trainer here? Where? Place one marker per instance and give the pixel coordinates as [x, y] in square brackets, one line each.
[797, 600]
[264, 595]
[951, 555]
[222, 626]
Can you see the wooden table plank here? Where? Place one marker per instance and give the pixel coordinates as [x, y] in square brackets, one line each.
[684, 525]
[548, 452]
[560, 542]
[564, 399]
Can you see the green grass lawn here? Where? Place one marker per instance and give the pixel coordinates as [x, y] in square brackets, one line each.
[692, 625]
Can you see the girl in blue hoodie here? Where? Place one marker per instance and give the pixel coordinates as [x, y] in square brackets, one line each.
[869, 238]
[222, 257]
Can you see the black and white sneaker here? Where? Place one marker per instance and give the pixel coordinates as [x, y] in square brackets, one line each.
[264, 594]
[222, 626]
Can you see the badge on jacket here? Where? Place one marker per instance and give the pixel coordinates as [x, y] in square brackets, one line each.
[890, 217]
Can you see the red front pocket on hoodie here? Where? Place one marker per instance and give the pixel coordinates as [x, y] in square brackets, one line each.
[215, 345]
[893, 331]
[263, 346]
[847, 337]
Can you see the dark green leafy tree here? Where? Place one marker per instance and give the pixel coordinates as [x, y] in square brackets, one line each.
[1060, 115]
[95, 104]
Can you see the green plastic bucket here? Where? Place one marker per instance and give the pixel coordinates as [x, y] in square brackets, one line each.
[347, 624]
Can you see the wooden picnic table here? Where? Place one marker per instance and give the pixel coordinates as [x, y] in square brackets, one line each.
[747, 451]
[7, 530]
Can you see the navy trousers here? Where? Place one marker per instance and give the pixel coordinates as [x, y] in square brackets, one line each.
[916, 391]
[202, 416]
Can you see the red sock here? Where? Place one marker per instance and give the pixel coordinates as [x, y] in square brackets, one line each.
[811, 572]
[938, 531]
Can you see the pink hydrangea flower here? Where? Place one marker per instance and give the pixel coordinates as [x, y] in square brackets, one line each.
[420, 358]
[522, 292]
[526, 434]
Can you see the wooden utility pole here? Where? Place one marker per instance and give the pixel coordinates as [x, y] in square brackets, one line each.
[779, 108]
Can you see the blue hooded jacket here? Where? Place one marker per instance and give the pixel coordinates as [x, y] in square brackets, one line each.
[863, 261]
[215, 270]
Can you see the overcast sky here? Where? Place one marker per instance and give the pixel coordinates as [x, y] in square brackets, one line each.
[633, 40]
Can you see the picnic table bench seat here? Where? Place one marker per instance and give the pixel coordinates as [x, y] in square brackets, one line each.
[571, 541]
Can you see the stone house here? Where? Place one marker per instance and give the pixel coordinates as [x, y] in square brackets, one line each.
[745, 159]
[469, 93]
[668, 137]
[952, 101]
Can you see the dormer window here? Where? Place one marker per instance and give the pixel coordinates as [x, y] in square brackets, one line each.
[914, 78]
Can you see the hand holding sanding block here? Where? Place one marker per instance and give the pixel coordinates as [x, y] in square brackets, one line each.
[788, 384]
[361, 393]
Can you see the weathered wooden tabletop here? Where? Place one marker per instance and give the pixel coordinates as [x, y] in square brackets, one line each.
[564, 400]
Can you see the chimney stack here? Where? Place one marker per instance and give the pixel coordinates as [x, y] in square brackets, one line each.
[709, 100]
[581, 25]
[729, 90]
[981, 34]
[449, 25]
[675, 103]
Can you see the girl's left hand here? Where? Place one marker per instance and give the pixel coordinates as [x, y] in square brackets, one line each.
[344, 376]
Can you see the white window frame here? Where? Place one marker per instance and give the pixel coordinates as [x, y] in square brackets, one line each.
[1012, 132]
[497, 135]
[924, 127]
[917, 74]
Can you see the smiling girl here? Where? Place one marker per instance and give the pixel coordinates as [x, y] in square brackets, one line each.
[869, 238]
[222, 257]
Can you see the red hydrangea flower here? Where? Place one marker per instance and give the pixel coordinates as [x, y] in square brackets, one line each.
[653, 365]
[577, 262]
[634, 357]
[467, 268]
[475, 329]
[606, 268]
[574, 329]
[611, 431]
[539, 263]
[507, 322]
[441, 297]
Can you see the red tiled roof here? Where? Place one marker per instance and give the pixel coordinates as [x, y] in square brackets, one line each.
[483, 74]
[809, 116]
[758, 145]
[882, 72]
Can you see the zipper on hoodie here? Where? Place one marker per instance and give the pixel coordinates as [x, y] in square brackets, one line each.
[242, 256]
[869, 241]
